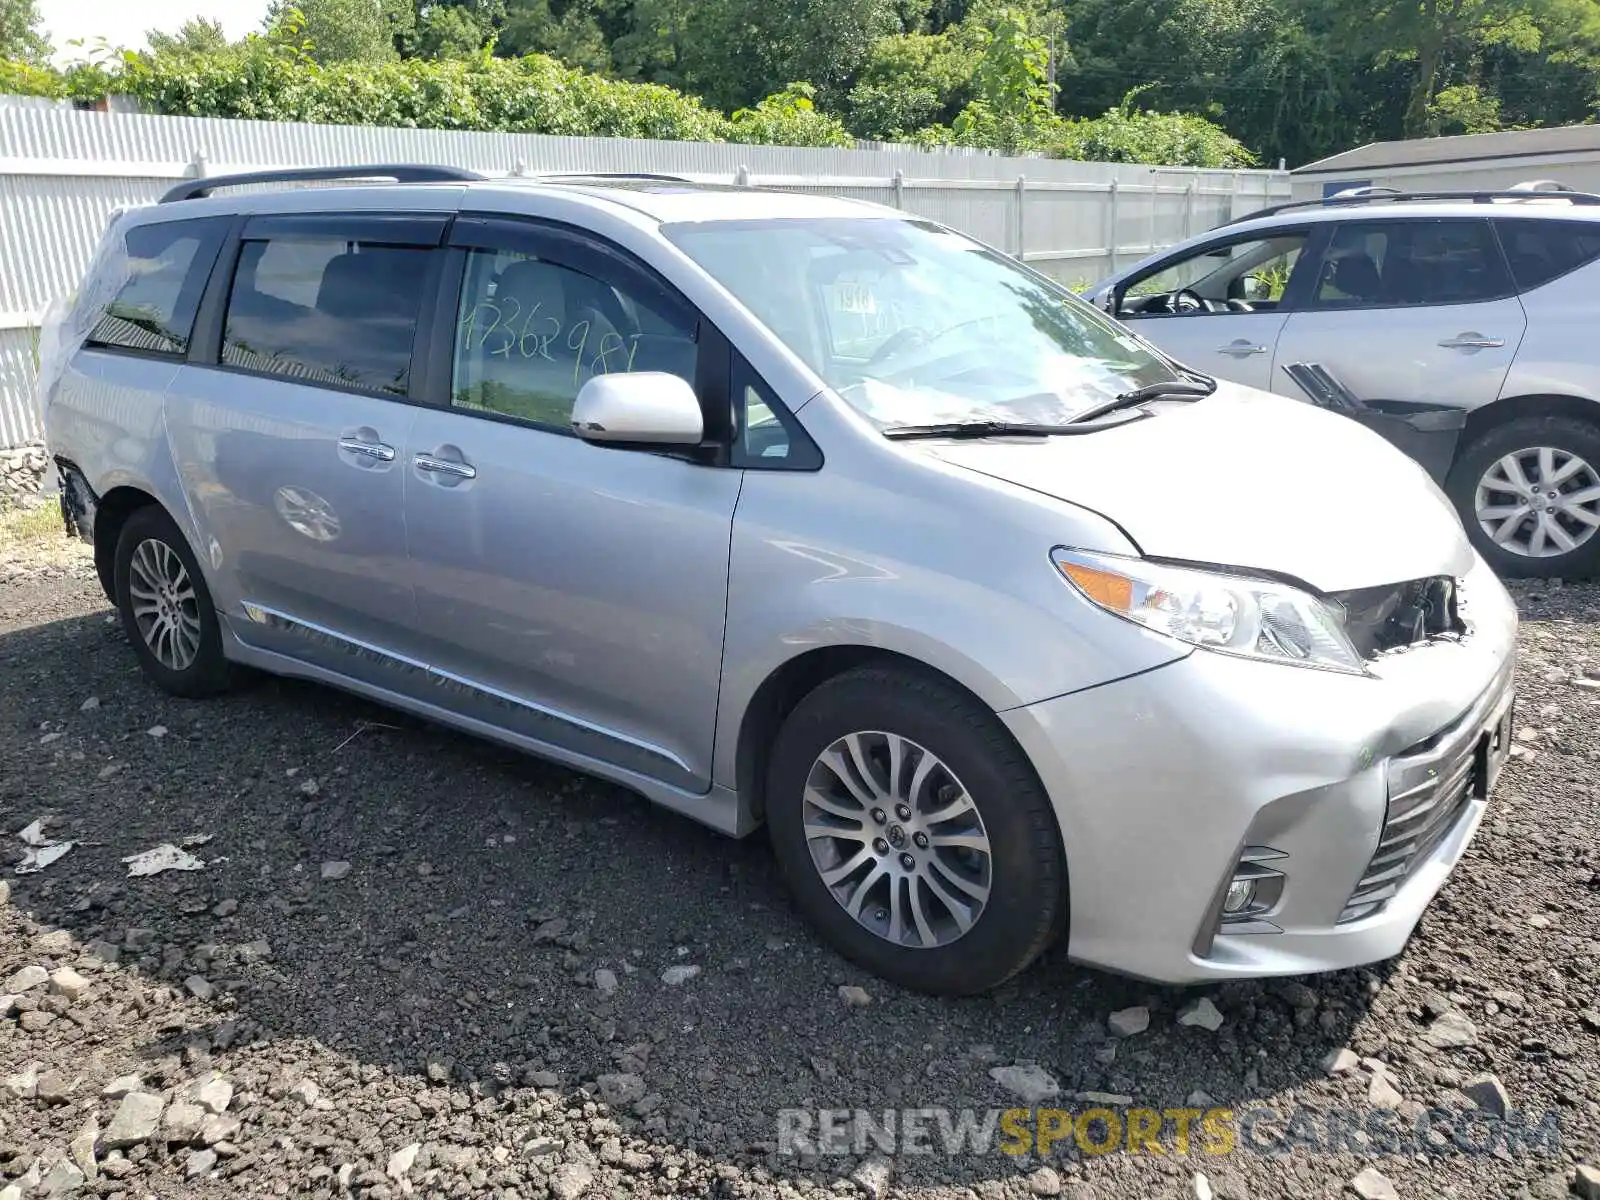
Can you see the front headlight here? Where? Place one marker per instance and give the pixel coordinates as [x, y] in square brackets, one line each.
[1232, 614]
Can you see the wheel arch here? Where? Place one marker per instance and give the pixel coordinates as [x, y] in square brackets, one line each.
[789, 683]
[111, 514]
[1529, 404]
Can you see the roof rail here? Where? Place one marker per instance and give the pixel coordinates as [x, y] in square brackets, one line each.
[194, 188]
[1361, 196]
[557, 176]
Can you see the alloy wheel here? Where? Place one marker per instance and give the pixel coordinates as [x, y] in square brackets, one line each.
[1539, 502]
[165, 607]
[897, 839]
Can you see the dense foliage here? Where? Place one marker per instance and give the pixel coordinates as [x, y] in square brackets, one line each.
[1170, 81]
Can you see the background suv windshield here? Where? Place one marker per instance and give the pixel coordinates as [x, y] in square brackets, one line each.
[912, 323]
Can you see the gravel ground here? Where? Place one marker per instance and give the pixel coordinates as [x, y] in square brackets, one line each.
[414, 963]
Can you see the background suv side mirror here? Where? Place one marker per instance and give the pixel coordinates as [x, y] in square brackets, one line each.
[638, 408]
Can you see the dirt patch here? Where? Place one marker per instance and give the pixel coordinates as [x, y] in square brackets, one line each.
[415, 963]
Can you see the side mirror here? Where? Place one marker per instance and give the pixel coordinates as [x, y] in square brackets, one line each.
[1255, 288]
[638, 408]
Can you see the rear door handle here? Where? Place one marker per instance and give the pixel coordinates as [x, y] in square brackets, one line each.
[1241, 349]
[446, 466]
[377, 451]
[1472, 341]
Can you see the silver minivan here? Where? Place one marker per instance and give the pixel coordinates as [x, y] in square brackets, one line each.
[800, 511]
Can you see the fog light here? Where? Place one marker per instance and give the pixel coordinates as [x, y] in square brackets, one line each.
[1240, 894]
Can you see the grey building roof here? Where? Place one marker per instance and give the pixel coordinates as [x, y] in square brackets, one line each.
[1477, 147]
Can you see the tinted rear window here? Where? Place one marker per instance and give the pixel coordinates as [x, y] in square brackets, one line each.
[1540, 251]
[154, 310]
[326, 310]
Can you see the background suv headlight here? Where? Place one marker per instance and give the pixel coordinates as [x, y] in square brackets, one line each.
[1231, 614]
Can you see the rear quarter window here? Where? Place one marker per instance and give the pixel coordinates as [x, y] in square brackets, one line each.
[1540, 251]
[162, 278]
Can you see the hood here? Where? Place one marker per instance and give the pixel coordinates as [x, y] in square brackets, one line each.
[1247, 480]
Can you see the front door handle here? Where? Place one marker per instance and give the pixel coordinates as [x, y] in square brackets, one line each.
[1242, 348]
[1472, 341]
[446, 466]
[377, 451]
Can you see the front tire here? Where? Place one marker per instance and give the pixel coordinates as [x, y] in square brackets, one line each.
[913, 832]
[1528, 493]
[166, 608]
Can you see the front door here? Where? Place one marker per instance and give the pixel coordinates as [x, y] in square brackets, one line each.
[566, 592]
[1220, 307]
[1420, 310]
[291, 442]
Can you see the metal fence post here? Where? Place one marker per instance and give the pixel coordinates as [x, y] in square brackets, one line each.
[1111, 236]
[1188, 210]
[899, 188]
[1022, 212]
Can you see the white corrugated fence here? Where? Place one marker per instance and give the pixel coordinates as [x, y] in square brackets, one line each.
[62, 172]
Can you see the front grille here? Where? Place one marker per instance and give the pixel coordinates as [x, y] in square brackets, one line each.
[1380, 619]
[1417, 821]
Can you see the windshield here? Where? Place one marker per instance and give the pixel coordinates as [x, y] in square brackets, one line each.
[912, 323]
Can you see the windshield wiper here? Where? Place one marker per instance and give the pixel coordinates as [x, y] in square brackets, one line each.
[1171, 389]
[974, 429]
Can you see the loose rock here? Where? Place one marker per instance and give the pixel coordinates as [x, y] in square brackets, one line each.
[1373, 1184]
[1489, 1094]
[400, 1162]
[137, 1119]
[1382, 1094]
[1341, 1061]
[570, 1181]
[1127, 1022]
[1045, 1181]
[873, 1177]
[67, 983]
[673, 976]
[26, 980]
[854, 997]
[1201, 1012]
[1451, 1030]
[1030, 1083]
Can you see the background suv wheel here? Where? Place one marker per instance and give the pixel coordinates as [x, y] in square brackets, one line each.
[913, 832]
[166, 608]
[1528, 493]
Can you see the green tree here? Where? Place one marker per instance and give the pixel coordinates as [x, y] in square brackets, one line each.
[908, 82]
[454, 28]
[733, 52]
[1014, 106]
[20, 35]
[1442, 41]
[341, 30]
[573, 31]
[788, 118]
[197, 35]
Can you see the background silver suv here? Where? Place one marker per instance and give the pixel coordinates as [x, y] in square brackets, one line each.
[801, 510]
[1481, 301]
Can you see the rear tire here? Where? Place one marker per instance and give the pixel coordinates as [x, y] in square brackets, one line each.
[1499, 490]
[962, 881]
[166, 608]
